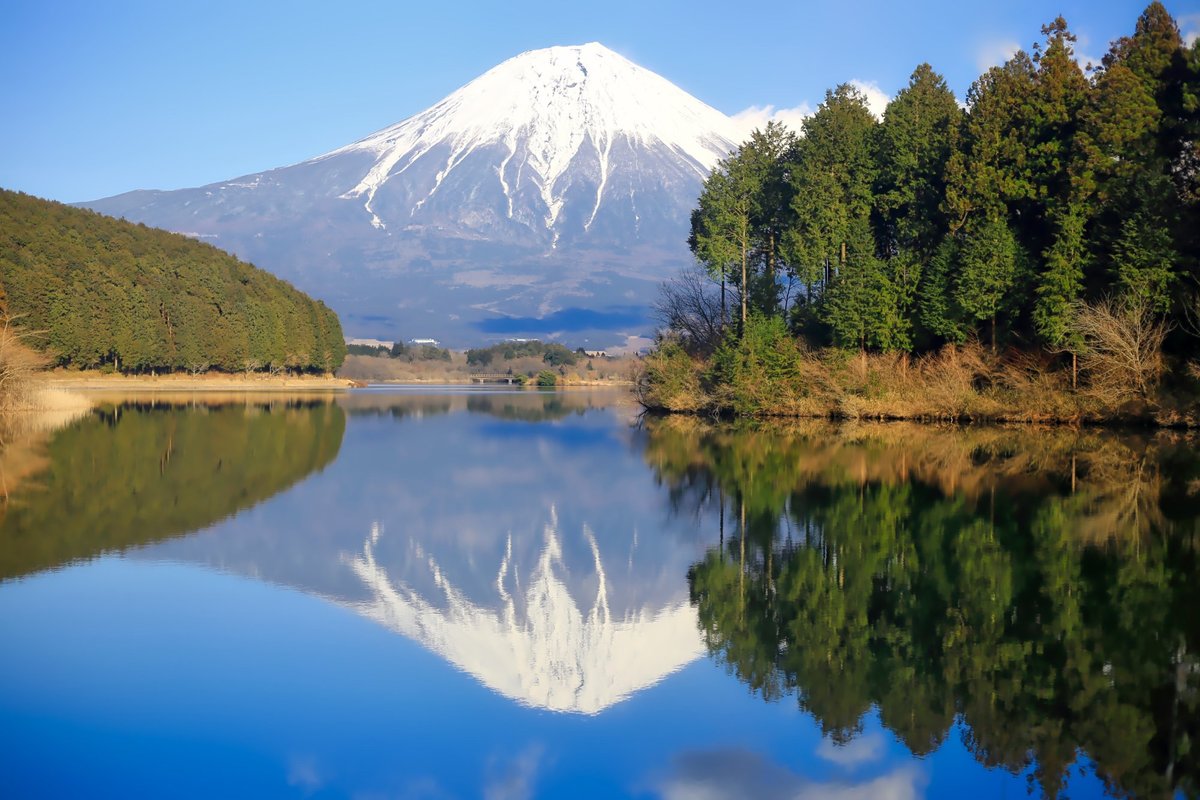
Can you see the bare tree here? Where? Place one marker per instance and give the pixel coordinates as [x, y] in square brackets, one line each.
[689, 305]
[1122, 345]
[19, 362]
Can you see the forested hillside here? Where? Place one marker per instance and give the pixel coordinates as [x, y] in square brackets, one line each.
[107, 293]
[1056, 214]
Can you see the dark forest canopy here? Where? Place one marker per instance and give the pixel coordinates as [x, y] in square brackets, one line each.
[109, 293]
[1052, 188]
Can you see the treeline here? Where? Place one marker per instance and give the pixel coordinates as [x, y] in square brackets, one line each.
[105, 293]
[552, 353]
[1052, 189]
[1034, 590]
[400, 350]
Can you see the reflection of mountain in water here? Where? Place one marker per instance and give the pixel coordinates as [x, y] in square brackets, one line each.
[534, 644]
[131, 474]
[516, 535]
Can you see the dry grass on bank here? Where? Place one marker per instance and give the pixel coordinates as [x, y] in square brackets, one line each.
[181, 381]
[955, 384]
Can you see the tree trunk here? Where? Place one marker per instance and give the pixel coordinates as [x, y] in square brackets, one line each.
[771, 268]
[1074, 371]
[721, 501]
[742, 542]
[745, 286]
[723, 314]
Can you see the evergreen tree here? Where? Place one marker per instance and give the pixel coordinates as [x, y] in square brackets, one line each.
[989, 262]
[1060, 285]
[833, 181]
[990, 169]
[770, 152]
[722, 225]
[939, 311]
[919, 134]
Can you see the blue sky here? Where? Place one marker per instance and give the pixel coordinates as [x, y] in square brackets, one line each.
[101, 98]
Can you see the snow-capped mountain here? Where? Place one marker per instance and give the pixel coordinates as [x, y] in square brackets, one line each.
[547, 196]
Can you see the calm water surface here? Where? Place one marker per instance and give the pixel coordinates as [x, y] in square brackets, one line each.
[459, 594]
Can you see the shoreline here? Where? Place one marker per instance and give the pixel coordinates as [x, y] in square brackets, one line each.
[96, 381]
[362, 382]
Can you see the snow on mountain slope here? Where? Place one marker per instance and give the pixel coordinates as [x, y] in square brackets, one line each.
[543, 107]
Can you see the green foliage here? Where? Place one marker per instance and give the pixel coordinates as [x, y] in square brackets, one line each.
[988, 270]
[755, 365]
[832, 195]
[420, 352]
[939, 224]
[1061, 283]
[744, 211]
[547, 379]
[108, 292]
[920, 132]
[368, 350]
[552, 353]
[670, 379]
[1144, 260]
[940, 314]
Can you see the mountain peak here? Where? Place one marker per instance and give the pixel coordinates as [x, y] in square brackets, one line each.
[547, 106]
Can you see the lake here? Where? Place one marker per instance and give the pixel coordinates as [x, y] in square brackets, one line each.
[459, 593]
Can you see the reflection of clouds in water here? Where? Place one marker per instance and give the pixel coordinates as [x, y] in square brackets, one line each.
[487, 477]
[514, 780]
[851, 754]
[736, 774]
[303, 774]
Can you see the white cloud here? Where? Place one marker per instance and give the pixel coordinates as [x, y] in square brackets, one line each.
[1084, 61]
[877, 99]
[858, 751]
[757, 117]
[1189, 27]
[1083, 58]
[995, 53]
[304, 774]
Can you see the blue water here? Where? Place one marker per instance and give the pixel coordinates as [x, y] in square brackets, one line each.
[252, 658]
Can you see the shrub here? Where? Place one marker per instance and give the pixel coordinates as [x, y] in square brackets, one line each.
[669, 380]
[759, 369]
[1122, 347]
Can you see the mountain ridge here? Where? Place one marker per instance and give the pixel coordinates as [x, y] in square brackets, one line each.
[562, 179]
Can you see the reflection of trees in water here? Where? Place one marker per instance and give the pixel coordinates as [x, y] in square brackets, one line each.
[1041, 586]
[521, 406]
[135, 473]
